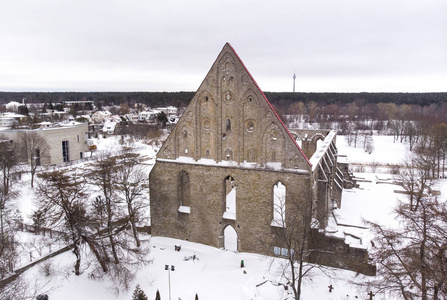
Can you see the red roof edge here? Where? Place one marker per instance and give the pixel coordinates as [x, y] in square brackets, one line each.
[271, 106]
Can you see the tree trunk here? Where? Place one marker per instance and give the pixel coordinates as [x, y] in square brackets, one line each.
[132, 222]
[422, 256]
[77, 253]
[96, 253]
[32, 179]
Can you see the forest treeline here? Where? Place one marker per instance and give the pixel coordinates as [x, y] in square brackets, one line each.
[279, 99]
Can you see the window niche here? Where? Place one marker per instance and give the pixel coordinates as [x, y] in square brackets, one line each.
[250, 125]
[279, 205]
[230, 198]
[228, 125]
[184, 192]
[228, 154]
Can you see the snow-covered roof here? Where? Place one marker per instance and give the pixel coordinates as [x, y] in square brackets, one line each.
[103, 113]
[13, 115]
[230, 163]
[12, 103]
[322, 148]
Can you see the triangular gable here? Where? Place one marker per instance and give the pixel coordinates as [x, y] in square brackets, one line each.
[271, 106]
[231, 119]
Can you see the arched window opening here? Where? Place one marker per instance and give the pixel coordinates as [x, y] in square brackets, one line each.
[228, 154]
[299, 141]
[185, 194]
[230, 198]
[279, 205]
[228, 125]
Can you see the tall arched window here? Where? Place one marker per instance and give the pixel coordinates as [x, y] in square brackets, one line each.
[230, 198]
[279, 205]
[228, 125]
[184, 192]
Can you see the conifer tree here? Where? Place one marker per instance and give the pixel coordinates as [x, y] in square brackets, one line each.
[138, 294]
[157, 295]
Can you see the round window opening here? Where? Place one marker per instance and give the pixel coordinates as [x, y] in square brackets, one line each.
[250, 125]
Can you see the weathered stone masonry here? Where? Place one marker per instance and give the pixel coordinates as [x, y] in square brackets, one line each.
[205, 223]
[221, 163]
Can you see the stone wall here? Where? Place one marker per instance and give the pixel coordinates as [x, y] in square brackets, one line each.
[334, 252]
[205, 222]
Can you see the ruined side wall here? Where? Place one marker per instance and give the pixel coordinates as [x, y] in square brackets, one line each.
[205, 223]
[334, 252]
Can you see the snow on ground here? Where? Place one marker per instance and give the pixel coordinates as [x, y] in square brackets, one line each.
[217, 274]
[213, 274]
[385, 151]
[373, 201]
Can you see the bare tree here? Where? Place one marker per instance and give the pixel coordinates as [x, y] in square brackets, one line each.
[133, 183]
[101, 175]
[62, 196]
[312, 110]
[416, 178]
[36, 150]
[412, 260]
[100, 223]
[410, 131]
[293, 222]
[20, 288]
[8, 243]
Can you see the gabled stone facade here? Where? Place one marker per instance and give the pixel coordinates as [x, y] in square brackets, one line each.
[220, 171]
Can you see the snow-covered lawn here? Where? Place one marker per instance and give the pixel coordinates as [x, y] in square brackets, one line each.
[213, 274]
[217, 274]
[385, 151]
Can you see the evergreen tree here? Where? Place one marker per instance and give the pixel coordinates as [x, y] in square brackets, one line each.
[197, 297]
[138, 294]
[157, 295]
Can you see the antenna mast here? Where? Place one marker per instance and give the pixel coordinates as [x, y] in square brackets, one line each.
[294, 77]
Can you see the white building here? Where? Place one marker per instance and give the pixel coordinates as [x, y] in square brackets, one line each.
[100, 116]
[13, 106]
[67, 142]
[109, 127]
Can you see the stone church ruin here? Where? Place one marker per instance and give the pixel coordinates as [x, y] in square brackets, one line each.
[230, 162]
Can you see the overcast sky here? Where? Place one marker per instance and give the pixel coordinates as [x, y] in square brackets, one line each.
[145, 45]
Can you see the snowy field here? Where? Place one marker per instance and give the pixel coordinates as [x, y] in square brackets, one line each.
[217, 274]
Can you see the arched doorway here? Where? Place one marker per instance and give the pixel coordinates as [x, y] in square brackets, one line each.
[230, 238]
